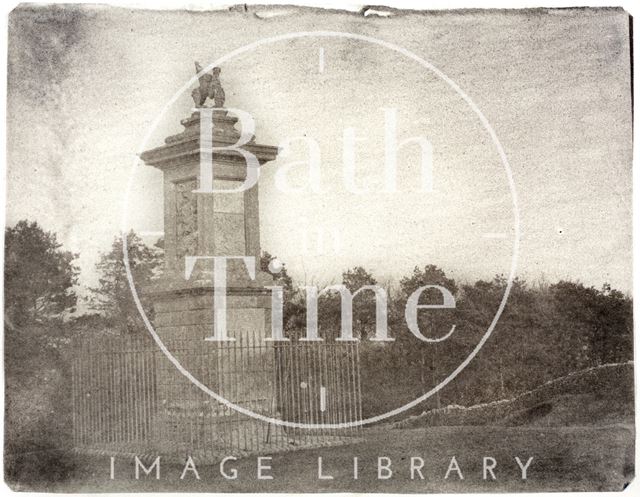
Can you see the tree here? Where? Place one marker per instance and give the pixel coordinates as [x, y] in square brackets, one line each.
[39, 275]
[426, 358]
[363, 310]
[282, 277]
[113, 297]
[519, 341]
[39, 291]
[600, 320]
[294, 313]
[364, 304]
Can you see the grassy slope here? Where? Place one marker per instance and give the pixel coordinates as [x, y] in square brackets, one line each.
[594, 396]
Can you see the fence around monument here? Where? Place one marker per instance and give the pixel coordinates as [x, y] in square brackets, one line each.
[129, 398]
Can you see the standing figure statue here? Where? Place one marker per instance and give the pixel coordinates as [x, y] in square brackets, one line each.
[209, 87]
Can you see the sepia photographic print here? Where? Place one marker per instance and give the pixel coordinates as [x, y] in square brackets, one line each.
[278, 248]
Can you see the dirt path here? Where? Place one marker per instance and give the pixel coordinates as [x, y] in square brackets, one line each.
[571, 458]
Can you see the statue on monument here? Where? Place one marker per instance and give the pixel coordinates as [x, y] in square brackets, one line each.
[209, 87]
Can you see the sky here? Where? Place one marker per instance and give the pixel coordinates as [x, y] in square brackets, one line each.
[86, 83]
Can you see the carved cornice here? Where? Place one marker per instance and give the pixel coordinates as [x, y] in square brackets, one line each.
[184, 148]
[169, 287]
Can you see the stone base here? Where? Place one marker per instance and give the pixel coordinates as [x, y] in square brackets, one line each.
[241, 371]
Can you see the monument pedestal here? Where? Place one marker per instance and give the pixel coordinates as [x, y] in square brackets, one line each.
[242, 371]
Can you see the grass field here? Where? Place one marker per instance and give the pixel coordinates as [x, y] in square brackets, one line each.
[564, 458]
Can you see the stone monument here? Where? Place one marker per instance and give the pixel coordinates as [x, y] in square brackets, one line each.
[211, 224]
